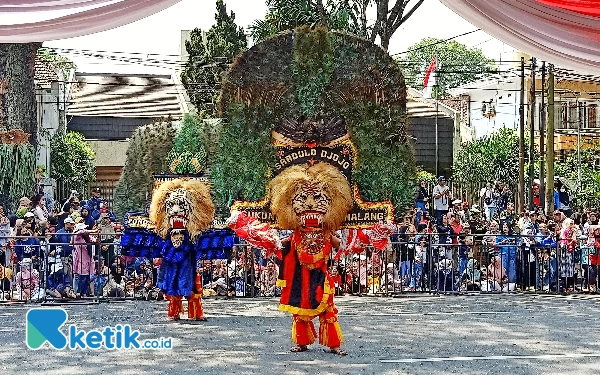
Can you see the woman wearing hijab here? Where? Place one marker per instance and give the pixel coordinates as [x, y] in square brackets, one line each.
[496, 277]
[507, 251]
[115, 287]
[567, 242]
[87, 217]
[83, 263]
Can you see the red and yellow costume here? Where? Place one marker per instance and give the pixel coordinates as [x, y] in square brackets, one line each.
[195, 310]
[307, 291]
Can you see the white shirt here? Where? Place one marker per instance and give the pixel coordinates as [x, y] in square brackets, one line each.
[440, 203]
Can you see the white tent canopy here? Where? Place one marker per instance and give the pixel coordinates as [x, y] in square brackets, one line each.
[60, 19]
[567, 38]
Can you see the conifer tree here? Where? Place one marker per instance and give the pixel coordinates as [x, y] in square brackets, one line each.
[209, 59]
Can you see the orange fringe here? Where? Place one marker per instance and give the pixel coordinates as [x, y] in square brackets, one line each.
[175, 306]
[195, 309]
[303, 330]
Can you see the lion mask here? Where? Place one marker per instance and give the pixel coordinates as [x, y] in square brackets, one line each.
[182, 204]
[310, 196]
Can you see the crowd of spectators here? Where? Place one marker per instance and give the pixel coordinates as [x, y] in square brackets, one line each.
[68, 250]
[442, 245]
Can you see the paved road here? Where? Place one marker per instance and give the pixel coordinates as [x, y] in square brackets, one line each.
[508, 334]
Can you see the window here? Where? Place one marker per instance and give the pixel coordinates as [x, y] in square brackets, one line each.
[592, 120]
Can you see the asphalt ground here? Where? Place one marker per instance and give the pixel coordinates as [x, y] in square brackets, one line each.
[484, 334]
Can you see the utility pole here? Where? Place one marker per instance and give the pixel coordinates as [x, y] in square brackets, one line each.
[542, 136]
[550, 143]
[531, 133]
[521, 187]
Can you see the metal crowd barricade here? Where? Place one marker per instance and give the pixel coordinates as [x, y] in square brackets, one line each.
[51, 274]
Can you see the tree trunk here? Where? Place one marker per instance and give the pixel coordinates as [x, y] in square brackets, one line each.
[3, 85]
[322, 13]
[17, 71]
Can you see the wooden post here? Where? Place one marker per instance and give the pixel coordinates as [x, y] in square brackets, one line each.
[550, 143]
[521, 187]
[531, 134]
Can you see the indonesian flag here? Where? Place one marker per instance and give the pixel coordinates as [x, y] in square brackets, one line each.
[429, 80]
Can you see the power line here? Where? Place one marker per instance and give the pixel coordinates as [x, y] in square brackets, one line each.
[433, 44]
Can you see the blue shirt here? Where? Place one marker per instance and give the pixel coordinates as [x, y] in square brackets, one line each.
[26, 248]
[63, 239]
[545, 240]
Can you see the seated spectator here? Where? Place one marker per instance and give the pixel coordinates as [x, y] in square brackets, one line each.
[392, 278]
[445, 276]
[5, 282]
[268, 281]
[27, 282]
[497, 278]
[116, 285]
[98, 280]
[471, 277]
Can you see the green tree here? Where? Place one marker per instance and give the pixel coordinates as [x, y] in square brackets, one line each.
[62, 63]
[146, 155]
[348, 15]
[72, 160]
[491, 158]
[209, 59]
[195, 145]
[586, 193]
[457, 64]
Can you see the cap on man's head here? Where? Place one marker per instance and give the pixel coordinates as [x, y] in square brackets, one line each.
[29, 214]
[441, 178]
[96, 190]
[456, 201]
[69, 220]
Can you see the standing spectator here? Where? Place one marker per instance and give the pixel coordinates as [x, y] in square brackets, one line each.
[83, 264]
[39, 208]
[490, 196]
[118, 228]
[594, 267]
[508, 216]
[444, 231]
[4, 231]
[567, 243]
[26, 246]
[441, 199]
[456, 209]
[24, 203]
[465, 245]
[507, 251]
[422, 200]
[504, 197]
[88, 220]
[562, 199]
[419, 262]
[107, 231]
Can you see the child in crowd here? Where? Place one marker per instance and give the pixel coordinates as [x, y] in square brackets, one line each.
[419, 262]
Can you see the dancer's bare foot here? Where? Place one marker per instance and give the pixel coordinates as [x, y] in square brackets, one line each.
[174, 318]
[299, 348]
[337, 350]
[201, 319]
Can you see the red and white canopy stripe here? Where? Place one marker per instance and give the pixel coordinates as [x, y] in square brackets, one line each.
[564, 32]
[70, 18]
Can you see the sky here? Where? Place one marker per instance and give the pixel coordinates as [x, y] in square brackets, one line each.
[158, 36]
